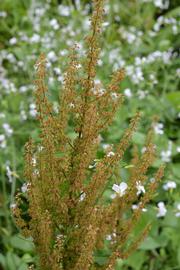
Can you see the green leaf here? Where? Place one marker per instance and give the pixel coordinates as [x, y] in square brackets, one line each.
[149, 244]
[19, 242]
[138, 138]
[12, 260]
[174, 99]
[27, 258]
[2, 261]
[178, 256]
[136, 260]
[23, 266]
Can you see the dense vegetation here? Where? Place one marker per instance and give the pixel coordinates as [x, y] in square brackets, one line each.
[141, 36]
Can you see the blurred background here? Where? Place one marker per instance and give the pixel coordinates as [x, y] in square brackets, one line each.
[140, 35]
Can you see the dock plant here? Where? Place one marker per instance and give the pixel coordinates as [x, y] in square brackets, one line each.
[63, 207]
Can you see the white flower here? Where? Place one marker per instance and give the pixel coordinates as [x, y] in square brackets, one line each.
[175, 29]
[169, 185]
[2, 141]
[23, 89]
[36, 172]
[113, 196]
[78, 65]
[161, 209]
[57, 70]
[64, 10]
[13, 41]
[52, 56]
[2, 115]
[54, 24]
[32, 110]
[105, 146]
[178, 72]
[110, 154]
[138, 76]
[23, 115]
[60, 78]
[166, 156]
[136, 206]
[8, 129]
[178, 210]
[152, 180]
[142, 94]
[12, 205]
[91, 166]
[120, 189]
[24, 187]
[82, 196]
[71, 105]
[35, 38]
[100, 62]
[143, 150]
[178, 149]
[40, 148]
[9, 174]
[109, 237]
[158, 128]
[3, 14]
[98, 91]
[34, 161]
[104, 24]
[128, 92]
[140, 188]
[162, 4]
[114, 96]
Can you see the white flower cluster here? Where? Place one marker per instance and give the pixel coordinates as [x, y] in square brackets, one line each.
[23, 114]
[119, 189]
[64, 10]
[8, 130]
[25, 187]
[98, 90]
[110, 154]
[135, 74]
[166, 21]
[128, 93]
[136, 206]
[162, 4]
[8, 133]
[52, 57]
[164, 56]
[54, 23]
[161, 209]
[111, 237]
[132, 35]
[82, 196]
[13, 41]
[32, 110]
[140, 188]
[169, 185]
[158, 128]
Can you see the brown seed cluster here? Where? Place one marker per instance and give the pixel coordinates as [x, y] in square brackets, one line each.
[67, 215]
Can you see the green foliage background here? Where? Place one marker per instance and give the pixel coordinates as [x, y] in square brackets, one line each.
[139, 35]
